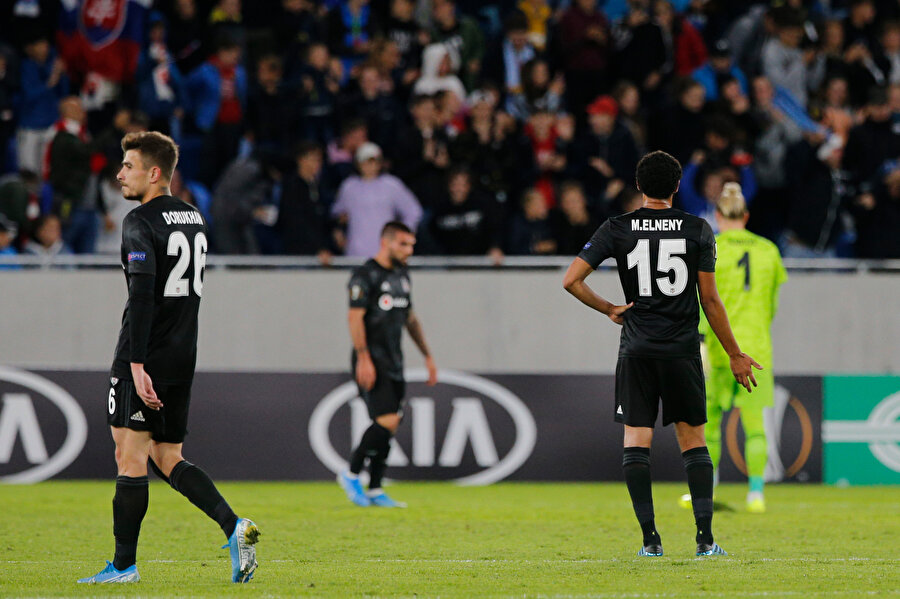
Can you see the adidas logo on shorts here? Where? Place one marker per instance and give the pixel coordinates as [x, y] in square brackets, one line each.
[138, 417]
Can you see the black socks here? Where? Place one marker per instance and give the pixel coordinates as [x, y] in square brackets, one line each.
[699, 468]
[195, 484]
[375, 445]
[636, 466]
[129, 507]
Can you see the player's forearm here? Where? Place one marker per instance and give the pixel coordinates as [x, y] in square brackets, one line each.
[718, 322]
[140, 315]
[586, 296]
[418, 336]
[358, 333]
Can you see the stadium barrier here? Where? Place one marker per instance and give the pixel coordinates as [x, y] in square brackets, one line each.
[472, 429]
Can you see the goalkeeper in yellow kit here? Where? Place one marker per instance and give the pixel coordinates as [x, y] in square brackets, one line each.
[749, 273]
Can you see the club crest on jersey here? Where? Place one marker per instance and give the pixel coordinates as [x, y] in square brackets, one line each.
[137, 256]
[387, 302]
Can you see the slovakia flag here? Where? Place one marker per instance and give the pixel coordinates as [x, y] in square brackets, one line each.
[102, 36]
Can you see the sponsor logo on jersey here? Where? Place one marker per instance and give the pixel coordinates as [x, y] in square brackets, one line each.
[404, 283]
[467, 428]
[388, 302]
[137, 256]
[34, 414]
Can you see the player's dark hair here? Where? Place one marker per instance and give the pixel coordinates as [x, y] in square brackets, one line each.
[393, 227]
[658, 175]
[155, 148]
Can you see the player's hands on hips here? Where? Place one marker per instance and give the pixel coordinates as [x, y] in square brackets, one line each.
[144, 387]
[616, 314]
[432, 371]
[742, 367]
[365, 371]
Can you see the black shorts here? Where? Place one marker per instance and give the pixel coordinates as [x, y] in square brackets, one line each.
[125, 409]
[386, 397]
[642, 382]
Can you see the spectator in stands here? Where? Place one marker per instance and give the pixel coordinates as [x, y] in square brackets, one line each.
[605, 156]
[186, 35]
[679, 129]
[467, 222]
[217, 92]
[530, 231]
[685, 50]
[19, 201]
[8, 232]
[296, 27]
[303, 211]
[340, 153]
[575, 224]
[540, 91]
[719, 69]
[859, 28]
[271, 109]
[8, 87]
[367, 201]
[350, 27]
[748, 35]
[241, 199]
[161, 93]
[463, 35]
[504, 61]
[790, 65]
[320, 78]
[700, 199]
[226, 21]
[437, 72]
[422, 156]
[549, 149]
[628, 97]
[43, 85]
[878, 217]
[48, 240]
[819, 192]
[585, 45]
[871, 144]
[402, 29]
[538, 13]
[372, 101]
[500, 161]
[640, 51]
[888, 59]
[70, 169]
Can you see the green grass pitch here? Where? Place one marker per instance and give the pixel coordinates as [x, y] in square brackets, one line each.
[507, 540]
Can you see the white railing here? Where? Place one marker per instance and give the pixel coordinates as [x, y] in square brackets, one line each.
[429, 262]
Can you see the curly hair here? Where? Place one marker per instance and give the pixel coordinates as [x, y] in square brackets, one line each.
[658, 175]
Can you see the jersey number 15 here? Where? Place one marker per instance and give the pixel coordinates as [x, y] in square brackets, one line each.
[669, 261]
[178, 245]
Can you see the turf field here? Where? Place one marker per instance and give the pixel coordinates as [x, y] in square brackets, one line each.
[508, 540]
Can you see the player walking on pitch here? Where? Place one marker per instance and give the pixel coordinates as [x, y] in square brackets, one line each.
[664, 256]
[163, 253]
[380, 307]
[748, 276]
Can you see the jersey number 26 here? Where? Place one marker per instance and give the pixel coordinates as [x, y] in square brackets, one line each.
[178, 245]
[669, 261]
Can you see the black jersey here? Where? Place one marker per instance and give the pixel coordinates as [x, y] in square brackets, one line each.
[165, 238]
[658, 254]
[385, 295]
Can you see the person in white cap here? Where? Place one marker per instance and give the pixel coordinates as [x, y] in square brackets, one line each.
[367, 201]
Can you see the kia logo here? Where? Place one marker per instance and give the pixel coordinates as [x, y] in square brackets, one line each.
[23, 411]
[463, 411]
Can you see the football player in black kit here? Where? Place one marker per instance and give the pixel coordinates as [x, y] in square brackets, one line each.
[380, 307]
[164, 247]
[664, 257]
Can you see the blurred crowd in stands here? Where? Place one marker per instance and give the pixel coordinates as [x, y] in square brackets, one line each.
[492, 128]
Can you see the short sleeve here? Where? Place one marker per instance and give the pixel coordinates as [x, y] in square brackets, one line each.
[707, 261]
[137, 245]
[781, 275]
[359, 291]
[600, 246]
